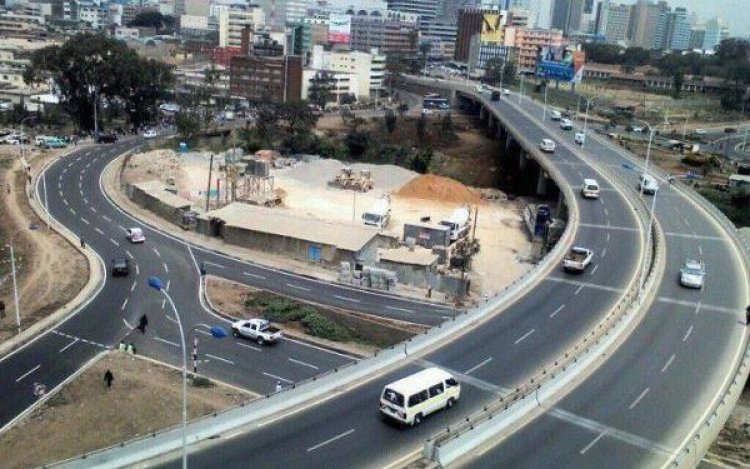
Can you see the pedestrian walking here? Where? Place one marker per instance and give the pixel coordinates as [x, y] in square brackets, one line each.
[142, 323]
[279, 386]
[83, 242]
[108, 378]
[429, 292]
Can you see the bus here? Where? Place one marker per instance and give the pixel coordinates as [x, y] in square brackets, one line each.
[435, 101]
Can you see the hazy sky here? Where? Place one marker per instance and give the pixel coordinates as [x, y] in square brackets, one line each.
[735, 13]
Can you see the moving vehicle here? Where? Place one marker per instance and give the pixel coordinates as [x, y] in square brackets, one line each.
[547, 146]
[169, 107]
[458, 222]
[577, 259]
[590, 189]
[413, 398]
[435, 101]
[555, 115]
[106, 138]
[150, 133]
[648, 184]
[566, 124]
[495, 96]
[51, 142]
[379, 214]
[135, 235]
[692, 274]
[259, 330]
[120, 267]
[580, 138]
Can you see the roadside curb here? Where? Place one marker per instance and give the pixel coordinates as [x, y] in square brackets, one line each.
[96, 275]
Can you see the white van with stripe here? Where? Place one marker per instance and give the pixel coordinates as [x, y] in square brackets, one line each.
[411, 399]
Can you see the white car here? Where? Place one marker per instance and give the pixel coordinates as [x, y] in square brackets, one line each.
[547, 146]
[150, 133]
[692, 274]
[135, 235]
[555, 115]
[506, 91]
[580, 138]
[566, 124]
[590, 189]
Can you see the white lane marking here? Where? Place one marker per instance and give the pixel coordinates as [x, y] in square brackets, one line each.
[669, 362]
[122, 228]
[125, 303]
[61, 194]
[201, 331]
[219, 266]
[606, 212]
[114, 242]
[686, 222]
[85, 200]
[85, 221]
[524, 337]
[253, 275]
[403, 310]
[554, 313]
[171, 318]
[156, 252]
[585, 284]
[257, 349]
[330, 440]
[270, 375]
[28, 373]
[219, 358]
[694, 236]
[578, 290]
[128, 324]
[65, 201]
[593, 271]
[72, 211]
[132, 287]
[72, 343]
[166, 342]
[137, 270]
[107, 218]
[346, 298]
[93, 209]
[166, 269]
[604, 252]
[130, 255]
[99, 231]
[297, 287]
[607, 237]
[593, 442]
[608, 227]
[477, 366]
[718, 309]
[700, 250]
[163, 303]
[687, 334]
[81, 192]
[638, 399]
[300, 362]
[169, 282]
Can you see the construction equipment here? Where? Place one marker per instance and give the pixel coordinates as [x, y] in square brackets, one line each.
[353, 180]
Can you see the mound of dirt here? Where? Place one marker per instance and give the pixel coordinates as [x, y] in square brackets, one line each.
[431, 187]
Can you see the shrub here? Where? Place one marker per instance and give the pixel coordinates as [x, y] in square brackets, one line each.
[201, 382]
[320, 326]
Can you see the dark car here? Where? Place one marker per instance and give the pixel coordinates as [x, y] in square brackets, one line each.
[495, 96]
[106, 138]
[120, 267]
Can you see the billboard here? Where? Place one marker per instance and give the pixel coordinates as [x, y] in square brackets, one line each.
[339, 29]
[492, 28]
[560, 64]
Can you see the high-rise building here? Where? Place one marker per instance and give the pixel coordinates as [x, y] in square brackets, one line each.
[612, 21]
[233, 21]
[648, 24]
[677, 30]
[715, 32]
[426, 9]
[389, 31]
[567, 14]
[262, 78]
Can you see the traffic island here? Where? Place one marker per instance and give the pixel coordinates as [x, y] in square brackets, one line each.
[144, 397]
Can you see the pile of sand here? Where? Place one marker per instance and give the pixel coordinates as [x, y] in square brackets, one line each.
[431, 187]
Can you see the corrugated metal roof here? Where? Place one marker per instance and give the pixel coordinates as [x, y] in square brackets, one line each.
[276, 222]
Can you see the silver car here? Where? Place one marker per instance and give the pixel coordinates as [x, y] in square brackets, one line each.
[692, 274]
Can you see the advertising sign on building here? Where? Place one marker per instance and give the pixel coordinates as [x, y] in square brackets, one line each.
[560, 64]
[339, 29]
[492, 28]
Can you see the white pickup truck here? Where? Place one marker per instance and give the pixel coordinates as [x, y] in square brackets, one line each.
[578, 259]
[259, 330]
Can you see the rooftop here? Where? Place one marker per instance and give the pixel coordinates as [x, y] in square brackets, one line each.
[159, 191]
[275, 221]
[404, 255]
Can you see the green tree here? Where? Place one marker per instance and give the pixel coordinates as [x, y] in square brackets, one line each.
[187, 124]
[421, 125]
[148, 19]
[421, 161]
[678, 79]
[402, 109]
[321, 89]
[390, 121]
[499, 71]
[394, 65]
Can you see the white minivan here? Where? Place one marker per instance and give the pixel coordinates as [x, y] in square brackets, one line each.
[648, 184]
[411, 399]
[590, 189]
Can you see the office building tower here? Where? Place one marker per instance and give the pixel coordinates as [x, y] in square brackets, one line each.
[426, 9]
[677, 30]
[566, 15]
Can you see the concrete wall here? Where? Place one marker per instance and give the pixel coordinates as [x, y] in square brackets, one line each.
[155, 205]
[425, 277]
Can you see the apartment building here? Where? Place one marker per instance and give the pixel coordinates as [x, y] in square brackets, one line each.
[259, 78]
[389, 31]
[232, 21]
[368, 69]
[528, 41]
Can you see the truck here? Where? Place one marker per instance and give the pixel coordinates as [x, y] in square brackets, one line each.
[379, 214]
[458, 222]
[259, 330]
[578, 259]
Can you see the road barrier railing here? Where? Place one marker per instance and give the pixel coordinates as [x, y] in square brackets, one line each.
[272, 405]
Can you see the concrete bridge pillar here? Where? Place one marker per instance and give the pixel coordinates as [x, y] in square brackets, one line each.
[522, 160]
[541, 182]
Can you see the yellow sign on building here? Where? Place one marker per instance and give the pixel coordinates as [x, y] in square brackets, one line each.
[492, 28]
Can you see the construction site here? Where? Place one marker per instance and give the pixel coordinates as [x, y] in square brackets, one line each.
[375, 226]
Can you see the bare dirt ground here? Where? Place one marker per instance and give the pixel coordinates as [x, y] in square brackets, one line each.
[84, 415]
[732, 446]
[229, 299]
[50, 271]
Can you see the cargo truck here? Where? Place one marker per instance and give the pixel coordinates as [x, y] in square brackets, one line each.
[458, 222]
[379, 214]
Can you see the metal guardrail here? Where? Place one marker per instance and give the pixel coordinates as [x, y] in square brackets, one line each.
[163, 441]
[629, 303]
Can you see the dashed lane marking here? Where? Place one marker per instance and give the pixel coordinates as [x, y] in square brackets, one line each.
[300, 362]
[257, 349]
[331, 440]
[230, 362]
[124, 304]
[28, 373]
[593, 442]
[346, 298]
[82, 340]
[85, 221]
[638, 399]
[477, 366]
[271, 375]
[164, 341]
[524, 337]
[668, 364]
[248, 274]
[114, 242]
[403, 310]
[98, 230]
[687, 334]
[554, 313]
[72, 343]
[297, 287]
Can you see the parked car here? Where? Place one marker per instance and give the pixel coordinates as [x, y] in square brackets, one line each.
[259, 330]
[135, 235]
[692, 274]
[566, 124]
[150, 133]
[555, 115]
[547, 146]
[106, 138]
[120, 267]
[54, 142]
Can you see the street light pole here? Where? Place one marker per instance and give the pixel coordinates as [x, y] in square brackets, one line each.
[15, 285]
[544, 114]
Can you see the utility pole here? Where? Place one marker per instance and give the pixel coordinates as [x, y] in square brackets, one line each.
[15, 285]
[208, 189]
